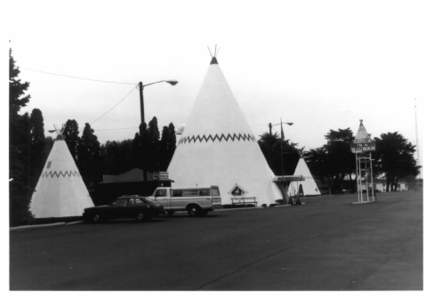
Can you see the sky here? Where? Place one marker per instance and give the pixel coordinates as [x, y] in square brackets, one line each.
[319, 64]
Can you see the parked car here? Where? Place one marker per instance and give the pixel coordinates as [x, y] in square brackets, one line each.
[196, 201]
[127, 206]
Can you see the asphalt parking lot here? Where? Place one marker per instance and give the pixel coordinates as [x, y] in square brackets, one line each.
[327, 244]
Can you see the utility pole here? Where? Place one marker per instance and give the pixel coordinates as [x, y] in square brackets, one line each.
[281, 180]
[142, 106]
[418, 162]
[417, 132]
[282, 137]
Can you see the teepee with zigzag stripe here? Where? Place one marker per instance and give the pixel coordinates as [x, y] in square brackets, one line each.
[60, 191]
[308, 186]
[218, 147]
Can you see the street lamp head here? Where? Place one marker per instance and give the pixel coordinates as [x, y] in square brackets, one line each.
[276, 124]
[172, 82]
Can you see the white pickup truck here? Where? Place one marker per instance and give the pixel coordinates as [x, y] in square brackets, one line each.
[196, 201]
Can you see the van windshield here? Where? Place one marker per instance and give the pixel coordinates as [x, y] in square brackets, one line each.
[161, 193]
[215, 191]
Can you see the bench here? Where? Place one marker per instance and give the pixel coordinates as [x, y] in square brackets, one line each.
[244, 201]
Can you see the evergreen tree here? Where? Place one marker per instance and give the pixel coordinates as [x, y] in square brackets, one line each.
[126, 155]
[72, 139]
[317, 160]
[137, 151]
[154, 132]
[48, 144]
[281, 155]
[164, 148]
[167, 146]
[89, 156]
[19, 170]
[17, 89]
[141, 149]
[37, 127]
[170, 145]
[117, 157]
[340, 159]
[154, 151]
[266, 143]
[19, 147]
[37, 140]
[107, 158]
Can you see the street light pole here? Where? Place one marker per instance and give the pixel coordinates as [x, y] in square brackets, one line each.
[282, 138]
[281, 147]
[282, 181]
[142, 107]
[142, 104]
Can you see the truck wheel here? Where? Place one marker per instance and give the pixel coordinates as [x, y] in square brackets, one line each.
[194, 210]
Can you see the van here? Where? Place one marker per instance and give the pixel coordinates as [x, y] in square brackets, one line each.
[196, 201]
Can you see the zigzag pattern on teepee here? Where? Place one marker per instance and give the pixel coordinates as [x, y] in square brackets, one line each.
[219, 148]
[60, 191]
[217, 137]
[58, 174]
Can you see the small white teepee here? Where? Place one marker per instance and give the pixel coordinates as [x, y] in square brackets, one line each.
[308, 186]
[218, 147]
[60, 191]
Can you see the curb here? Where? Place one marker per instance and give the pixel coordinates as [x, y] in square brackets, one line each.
[235, 209]
[44, 225]
[249, 208]
[74, 222]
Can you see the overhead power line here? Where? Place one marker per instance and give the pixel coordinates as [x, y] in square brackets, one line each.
[115, 129]
[114, 106]
[78, 77]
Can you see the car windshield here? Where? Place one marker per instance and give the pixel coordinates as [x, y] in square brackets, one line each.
[136, 201]
[121, 202]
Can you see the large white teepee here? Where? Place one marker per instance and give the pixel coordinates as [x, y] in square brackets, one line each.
[309, 186]
[60, 191]
[217, 147]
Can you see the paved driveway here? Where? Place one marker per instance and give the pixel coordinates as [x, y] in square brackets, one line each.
[328, 244]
